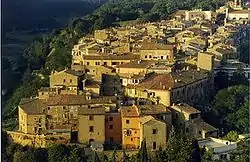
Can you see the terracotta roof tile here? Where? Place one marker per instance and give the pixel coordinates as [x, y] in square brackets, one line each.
[112, 57]
[157, 82]
[138, 64]
[155, 46]
[91, 111]
[77, 100]
[129, 111]
[185, 108]
[152, 109]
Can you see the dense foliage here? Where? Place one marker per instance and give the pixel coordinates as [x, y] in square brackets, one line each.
[180, 148]
[45, 14]
[230, 109]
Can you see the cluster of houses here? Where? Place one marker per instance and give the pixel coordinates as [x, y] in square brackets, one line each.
[134, 82]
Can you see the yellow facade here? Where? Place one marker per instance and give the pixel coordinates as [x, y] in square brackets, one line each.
[162, 95]
[130, 128]
[205, 61]
[91, 130]
[108, 60]
[157, 55]
[63, 78]
[31, 123]
[155, 133]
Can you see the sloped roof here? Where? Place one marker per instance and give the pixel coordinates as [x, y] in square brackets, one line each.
[33, 106]
[91, 111]
[36, 106]
[73, 72]
[155, 46]
[129, 111]
[69, 99]
[157, 82]
[204, 126]
[137, 64]
[185, 108]
[146, 119]
[111, 57]
[152, 109]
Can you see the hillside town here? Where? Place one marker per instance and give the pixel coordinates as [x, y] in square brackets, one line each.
[139, 82]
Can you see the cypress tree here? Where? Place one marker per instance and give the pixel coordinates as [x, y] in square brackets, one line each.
[143, 152]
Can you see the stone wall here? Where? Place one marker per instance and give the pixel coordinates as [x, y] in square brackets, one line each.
[37, 140]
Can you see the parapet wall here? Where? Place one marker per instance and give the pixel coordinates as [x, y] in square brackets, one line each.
[37, 140]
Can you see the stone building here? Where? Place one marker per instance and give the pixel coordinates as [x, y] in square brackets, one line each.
[154, 51]
[130, 127]
[57, 114]
[67, 79]
[91, 125]
[113, 128]
[188, 120]
[189, 86]
[153, 131]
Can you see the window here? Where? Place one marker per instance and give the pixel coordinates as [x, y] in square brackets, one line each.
[154, 131]
[128, 132]
[154, 145]
[87, 63]
[110, 118]
[131, 139]
[64, 108]
[187, 130]
[70, 80]
[161, 57]
[91, 129]
[110, 126]
[91, 140]
[48, 108]
[199, 132]
[91, 117]
[146, 56]
[64, 80]
[150, 56]
[39, 120]
[42, 93]
[127, 121]
[35, 119]
[97, 63]
[115, 63]
[105, 63]
[35, 129]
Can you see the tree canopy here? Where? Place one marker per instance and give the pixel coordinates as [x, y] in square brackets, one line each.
[230, 109]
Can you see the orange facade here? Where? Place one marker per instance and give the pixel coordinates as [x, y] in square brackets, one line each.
[113, 125]
[130, 127]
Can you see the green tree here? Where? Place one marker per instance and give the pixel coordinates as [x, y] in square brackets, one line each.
[57, 153]
[77, 155]
[143, 154]
[230, 108]
[18, 156]
[95, 157]
[114, 155]
[231, 136]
